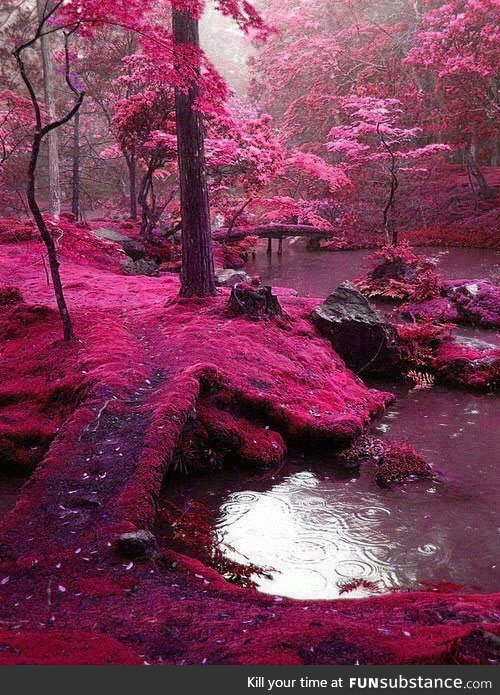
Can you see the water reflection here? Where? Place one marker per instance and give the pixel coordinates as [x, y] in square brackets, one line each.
[320, 528]
[332, 528]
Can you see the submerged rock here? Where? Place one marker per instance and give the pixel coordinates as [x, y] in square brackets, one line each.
[395, 461]
[400, 463]
[357, 331]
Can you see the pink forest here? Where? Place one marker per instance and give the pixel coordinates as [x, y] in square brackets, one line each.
[249, 349]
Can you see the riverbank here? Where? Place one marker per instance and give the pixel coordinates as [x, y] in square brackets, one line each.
[103, 418]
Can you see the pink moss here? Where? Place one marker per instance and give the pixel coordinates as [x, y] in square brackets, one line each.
[400, 274]
[474, 365]
[74, 647]
[477, 301]
[9, 295]
[255, 446]
[34, 398]
[113, 407]
[13, 230]
[395, 461]
[419, 341]
[399, 463]
[437, 309]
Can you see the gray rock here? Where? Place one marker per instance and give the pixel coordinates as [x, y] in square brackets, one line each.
[132, 247]
[358, 333]
[138, 544]
[141, 267]
[227, 277]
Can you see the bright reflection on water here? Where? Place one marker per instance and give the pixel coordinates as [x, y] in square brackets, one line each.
[320, 528]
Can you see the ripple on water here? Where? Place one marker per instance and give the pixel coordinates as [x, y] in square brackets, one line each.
[309, 549]
[373, 514]
[428, 549]
[359, 568]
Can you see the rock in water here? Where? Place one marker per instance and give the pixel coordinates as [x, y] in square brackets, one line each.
[468, 363]
[395, 461]
[477, 301]
[357, 332]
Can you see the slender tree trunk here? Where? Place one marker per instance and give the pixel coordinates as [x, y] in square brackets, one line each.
[39, 132]
[389, 224]
[132, 175]
[485, 191]
[197, 275]
[50, 102]
[75, 182]
[47, 239]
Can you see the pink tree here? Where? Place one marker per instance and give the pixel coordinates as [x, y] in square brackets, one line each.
[180, 50]
[376, 142]
[456, 53]
[15, 121]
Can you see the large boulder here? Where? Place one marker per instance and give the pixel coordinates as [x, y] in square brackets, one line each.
[133, 248]
[357, 331]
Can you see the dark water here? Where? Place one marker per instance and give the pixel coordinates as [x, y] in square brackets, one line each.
[318, 273]
[320, 528]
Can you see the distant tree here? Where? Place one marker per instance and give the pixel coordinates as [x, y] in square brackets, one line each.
[376, 140]
[44, 7]
[456, 53]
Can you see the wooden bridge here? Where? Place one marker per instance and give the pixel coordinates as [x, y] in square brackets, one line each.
[270, 232]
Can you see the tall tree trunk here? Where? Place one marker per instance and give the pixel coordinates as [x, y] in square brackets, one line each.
[75, 181]
[43, 6]
[132, 176]
[197, 275]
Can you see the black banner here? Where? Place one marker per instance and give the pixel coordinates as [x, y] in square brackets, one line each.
[245, 680]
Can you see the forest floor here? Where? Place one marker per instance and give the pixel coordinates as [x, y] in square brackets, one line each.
[103, 418]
